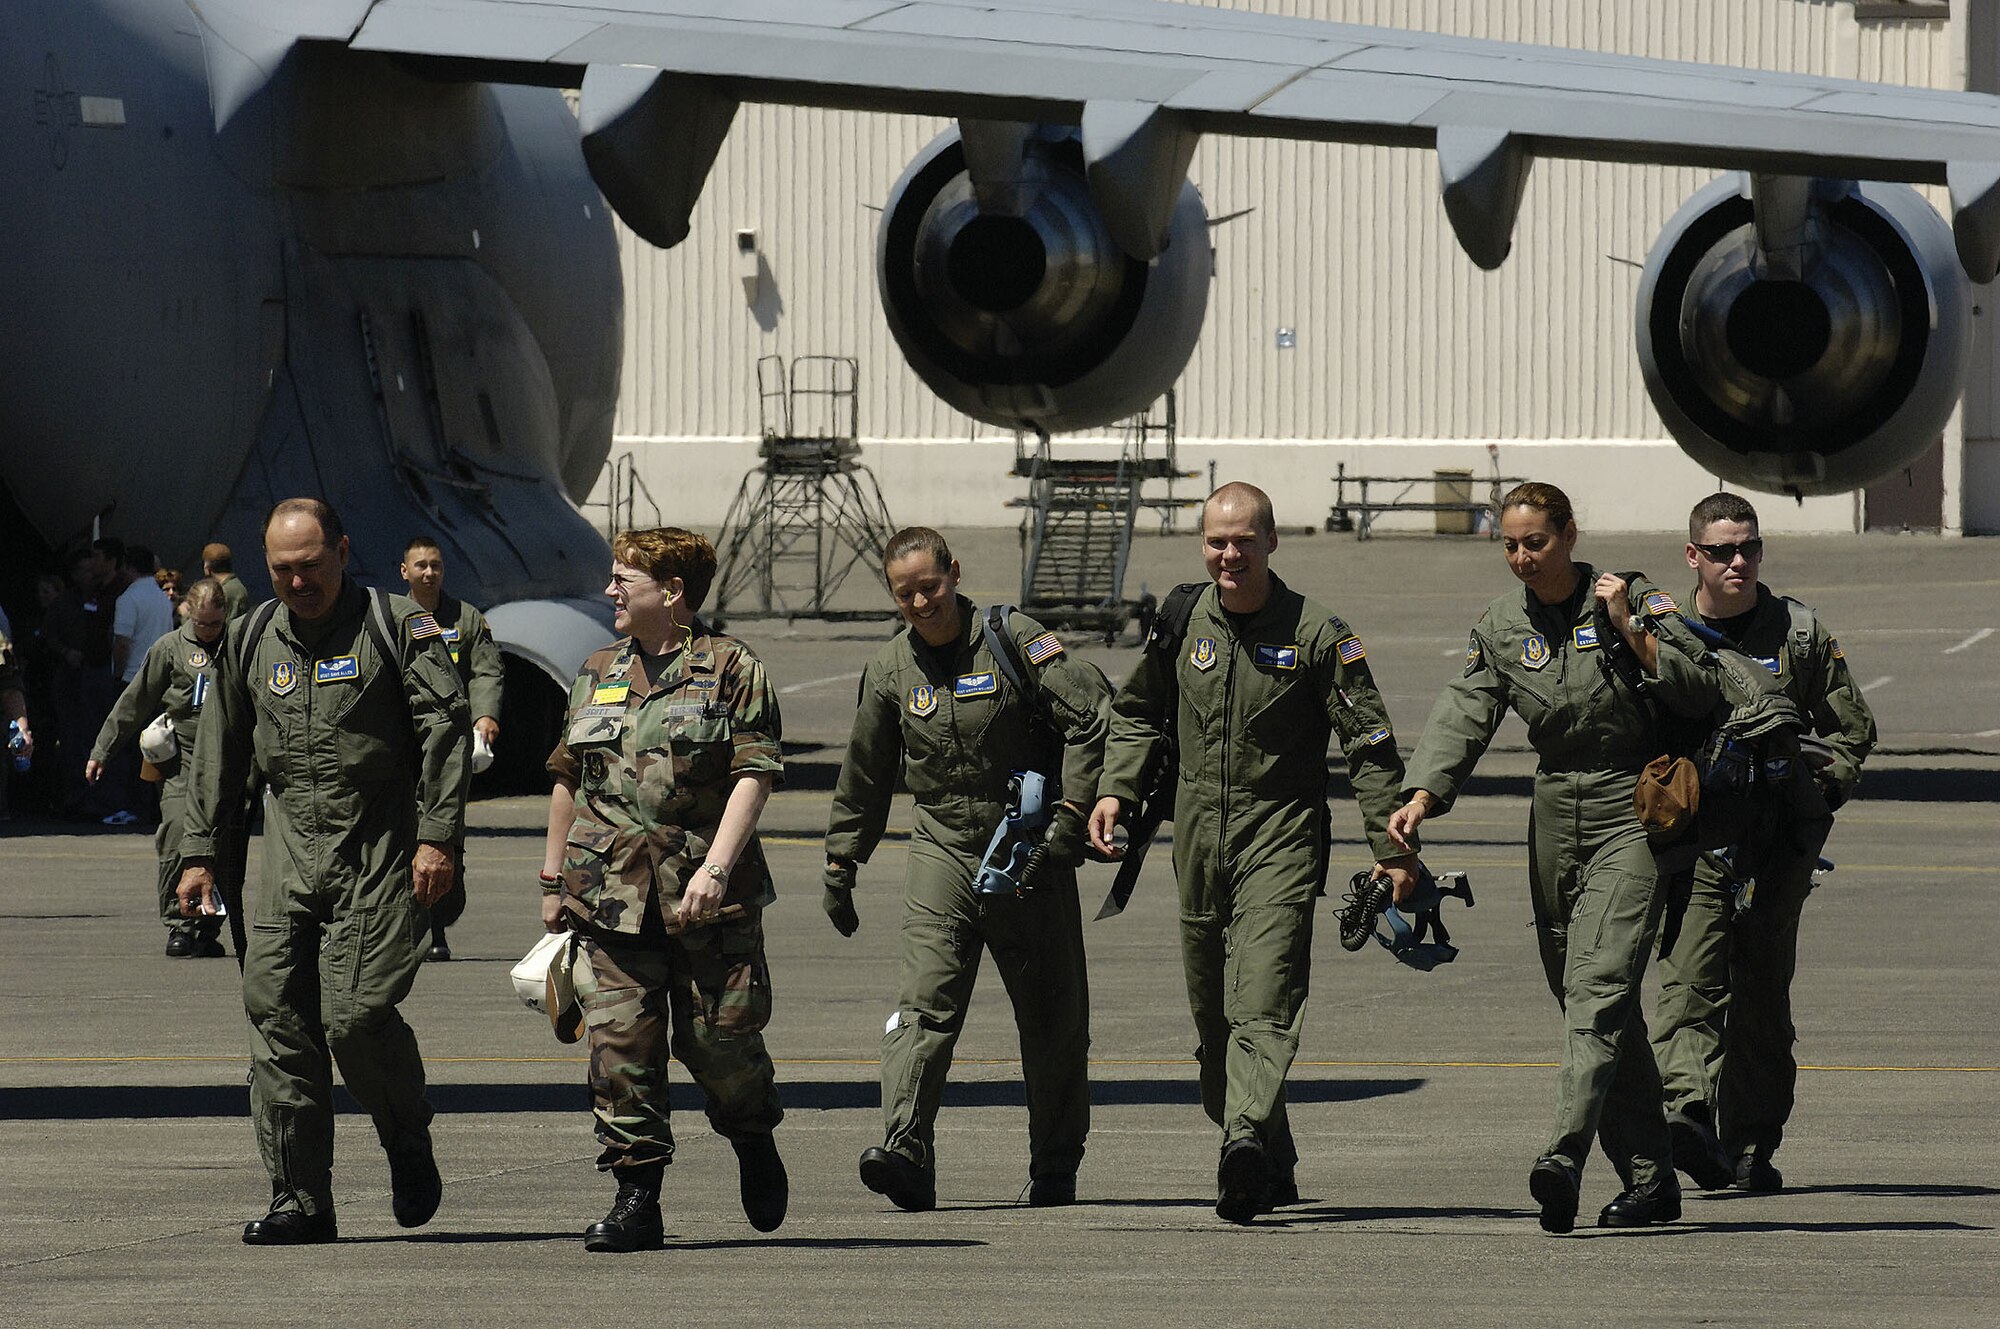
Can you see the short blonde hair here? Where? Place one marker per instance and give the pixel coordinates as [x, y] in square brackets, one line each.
[666, 552]
[204, 593]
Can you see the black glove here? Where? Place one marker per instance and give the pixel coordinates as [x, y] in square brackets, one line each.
[1063, 846]
[838, 897]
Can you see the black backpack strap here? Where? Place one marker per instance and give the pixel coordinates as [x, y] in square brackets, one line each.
[252, 629]
[381, 630]
[1006, 652]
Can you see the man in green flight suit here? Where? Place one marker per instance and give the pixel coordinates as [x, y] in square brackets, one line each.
[480, 673]
[175, 679]
[1725, 1033]
[1260, 682]
[350, 707]
[936, 705]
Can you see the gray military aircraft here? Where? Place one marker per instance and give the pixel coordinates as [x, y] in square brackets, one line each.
[359, 248]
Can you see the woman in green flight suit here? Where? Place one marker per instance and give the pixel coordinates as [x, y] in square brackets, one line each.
[1597, 890]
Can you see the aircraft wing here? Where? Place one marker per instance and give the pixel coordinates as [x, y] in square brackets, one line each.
[1152, 76]
[1223, 71]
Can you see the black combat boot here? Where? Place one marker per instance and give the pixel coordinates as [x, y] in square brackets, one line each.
[908, 1186]
[415, 1188]
[1696, 1150]
[1056, 1188]
[1242, 1181]
[634, 1223]
[1555, 1183]
[290, 1225]
[761, 1180]
[1657, 1202]
[1754, 1173]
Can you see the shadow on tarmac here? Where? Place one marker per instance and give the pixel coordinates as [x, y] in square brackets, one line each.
[145, 1102]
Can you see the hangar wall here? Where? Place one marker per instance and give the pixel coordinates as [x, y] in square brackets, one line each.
[1405, 358]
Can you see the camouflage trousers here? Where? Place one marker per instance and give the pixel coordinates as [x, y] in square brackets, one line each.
[704, 997]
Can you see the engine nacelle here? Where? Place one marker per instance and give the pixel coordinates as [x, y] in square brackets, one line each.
[1816, 382]
[1036, 317]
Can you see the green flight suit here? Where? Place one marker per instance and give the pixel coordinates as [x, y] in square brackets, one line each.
[1593, 879]
[175, 677]
[652, 766]
[481, 673]
[364, 757]
[947, 719]
[235, 598]
[1725, 1034]
[1259, 696]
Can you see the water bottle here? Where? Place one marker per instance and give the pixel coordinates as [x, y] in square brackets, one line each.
[17, 743]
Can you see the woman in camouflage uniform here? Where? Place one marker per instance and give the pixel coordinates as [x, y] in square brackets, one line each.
[668, 753]
[1597, 890]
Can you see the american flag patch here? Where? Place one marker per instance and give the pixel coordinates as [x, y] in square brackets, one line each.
[1659, 602]
[1834, 643]
[1043, 648]
[1352, 650]
[423, 625]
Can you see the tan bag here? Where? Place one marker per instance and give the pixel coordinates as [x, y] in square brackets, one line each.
[1667, 798]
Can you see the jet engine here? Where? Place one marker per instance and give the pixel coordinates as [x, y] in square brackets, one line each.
[1012, 301]
[1810, 349]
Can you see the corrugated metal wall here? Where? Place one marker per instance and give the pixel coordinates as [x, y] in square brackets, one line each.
[1397, 334]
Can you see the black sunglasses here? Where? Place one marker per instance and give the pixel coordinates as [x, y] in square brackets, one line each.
[1752, 550]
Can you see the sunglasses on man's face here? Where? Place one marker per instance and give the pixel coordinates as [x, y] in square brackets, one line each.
[1752, 550]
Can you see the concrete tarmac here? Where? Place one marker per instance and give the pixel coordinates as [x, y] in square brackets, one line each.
[127, 1166]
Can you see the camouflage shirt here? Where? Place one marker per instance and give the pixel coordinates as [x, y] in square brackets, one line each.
[653, 767]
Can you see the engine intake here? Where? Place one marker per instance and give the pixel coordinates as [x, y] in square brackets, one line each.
[1814, 377]
[1036, 317]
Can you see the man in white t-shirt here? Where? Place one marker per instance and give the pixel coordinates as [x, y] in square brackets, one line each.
[144, 613]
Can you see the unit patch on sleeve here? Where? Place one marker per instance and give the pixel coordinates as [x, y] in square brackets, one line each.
[1378, 736]
[1043, 648]
[976, 685]
[1351, 650]
[422, 626]
[339, 669]
[1279, 657]
[1472, 656]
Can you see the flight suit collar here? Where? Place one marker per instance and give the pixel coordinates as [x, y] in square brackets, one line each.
[348, 606]
[1257, 621]
[1765, 597]
[948, 655]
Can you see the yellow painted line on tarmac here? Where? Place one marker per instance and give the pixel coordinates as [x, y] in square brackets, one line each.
[979, 1061]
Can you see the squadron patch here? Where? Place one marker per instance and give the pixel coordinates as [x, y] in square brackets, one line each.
[976, 685]
[1278, 657]
[284, 677]
[422, 626]
[923, 701]
[611, 694]
[197, 658]
[1202, 654]
[1659, 603]
[1534, 651]
[339, 669]
[1351, 650]
[1584, 636]
[1043, 648]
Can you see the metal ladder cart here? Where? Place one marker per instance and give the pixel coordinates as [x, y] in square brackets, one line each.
[1076, 536]
[810, 511]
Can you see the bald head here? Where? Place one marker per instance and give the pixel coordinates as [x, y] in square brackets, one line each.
[1240, 502]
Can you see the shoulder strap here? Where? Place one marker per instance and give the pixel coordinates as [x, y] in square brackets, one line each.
[1801, 634]
[380, 629]
[1006, 652]
[1170, 624]
[251, 629]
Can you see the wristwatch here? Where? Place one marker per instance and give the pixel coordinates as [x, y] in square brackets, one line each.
[716, 870]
